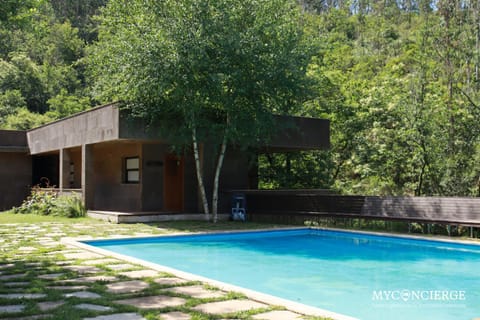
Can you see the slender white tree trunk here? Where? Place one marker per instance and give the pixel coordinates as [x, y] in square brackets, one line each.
[201, 185]
[216, 180]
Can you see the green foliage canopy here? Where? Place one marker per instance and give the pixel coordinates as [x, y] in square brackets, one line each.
[221, 66]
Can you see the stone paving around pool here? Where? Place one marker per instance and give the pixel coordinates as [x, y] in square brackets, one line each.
[41, 278]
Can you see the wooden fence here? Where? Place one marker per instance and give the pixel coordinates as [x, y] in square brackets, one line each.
[305, 204]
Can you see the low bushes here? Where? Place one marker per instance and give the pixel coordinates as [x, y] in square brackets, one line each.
[48, 202]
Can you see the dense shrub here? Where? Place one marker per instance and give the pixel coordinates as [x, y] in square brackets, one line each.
[48, 202]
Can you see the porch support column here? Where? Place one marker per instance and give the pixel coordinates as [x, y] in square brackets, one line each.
[88, 181]
[64, 168]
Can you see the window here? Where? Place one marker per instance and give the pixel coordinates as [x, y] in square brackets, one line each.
[132, 170]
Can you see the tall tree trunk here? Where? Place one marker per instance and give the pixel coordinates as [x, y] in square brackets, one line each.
[216, 180]
[198, 167]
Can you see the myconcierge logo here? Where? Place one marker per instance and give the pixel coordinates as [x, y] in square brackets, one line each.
[419, 295]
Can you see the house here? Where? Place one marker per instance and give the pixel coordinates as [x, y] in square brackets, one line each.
[118, 166]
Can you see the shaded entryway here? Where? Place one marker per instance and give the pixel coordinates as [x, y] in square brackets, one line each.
[45, 170]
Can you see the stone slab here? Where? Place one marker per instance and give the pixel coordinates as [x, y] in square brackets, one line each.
[16, 284]
[140, 273]
[120, 267]
[197, 291]
[100, 261]
[153, 302]
[175, 316]
[82, 255]
[35, 317]
[50, 276]
[22, 295]
[49, 305]
[229, 306]
[91, 279]
[278, 315]
[118, 316]
[169, 282]
[27, 249]
[12, 308]
[82, 295]
[83, 269]
[127, 286]
[67, 288]
[12, 276]
[93, 307]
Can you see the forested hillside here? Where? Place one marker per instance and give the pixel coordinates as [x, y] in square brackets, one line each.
[398, 79]
[42, 74]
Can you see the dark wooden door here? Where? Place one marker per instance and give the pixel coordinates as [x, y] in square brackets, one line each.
[173, 183]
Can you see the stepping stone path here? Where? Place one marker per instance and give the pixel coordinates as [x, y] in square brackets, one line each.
[118, 316]
[91, 279]
[140, 273]
[127, 286]
[82, 295]
[198, 292]
[16, 284]
[67, 288]
[277, 315]
[49, 305]
[83, 269]
[32, 256]
[93, 307]
[120, 267]
[82, 255]
[229, 306]
[12, 308]
[50, 276]
[12, 276]
[176, 316]
[153, 302]
[170, 282]
[22, 296]
[101, 261]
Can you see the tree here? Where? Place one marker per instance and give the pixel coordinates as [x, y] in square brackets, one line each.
[40, 64]
[208, 71]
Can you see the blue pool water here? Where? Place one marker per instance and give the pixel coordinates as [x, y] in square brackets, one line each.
[364, 276]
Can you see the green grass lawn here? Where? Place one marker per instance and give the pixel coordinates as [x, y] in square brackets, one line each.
[8, 217]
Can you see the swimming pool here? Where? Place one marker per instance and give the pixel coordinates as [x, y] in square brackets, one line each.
[361, 275]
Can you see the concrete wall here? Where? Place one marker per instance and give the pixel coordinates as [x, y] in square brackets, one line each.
[15, 168]
[16, 178]
[93, 126]
[110, 191]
